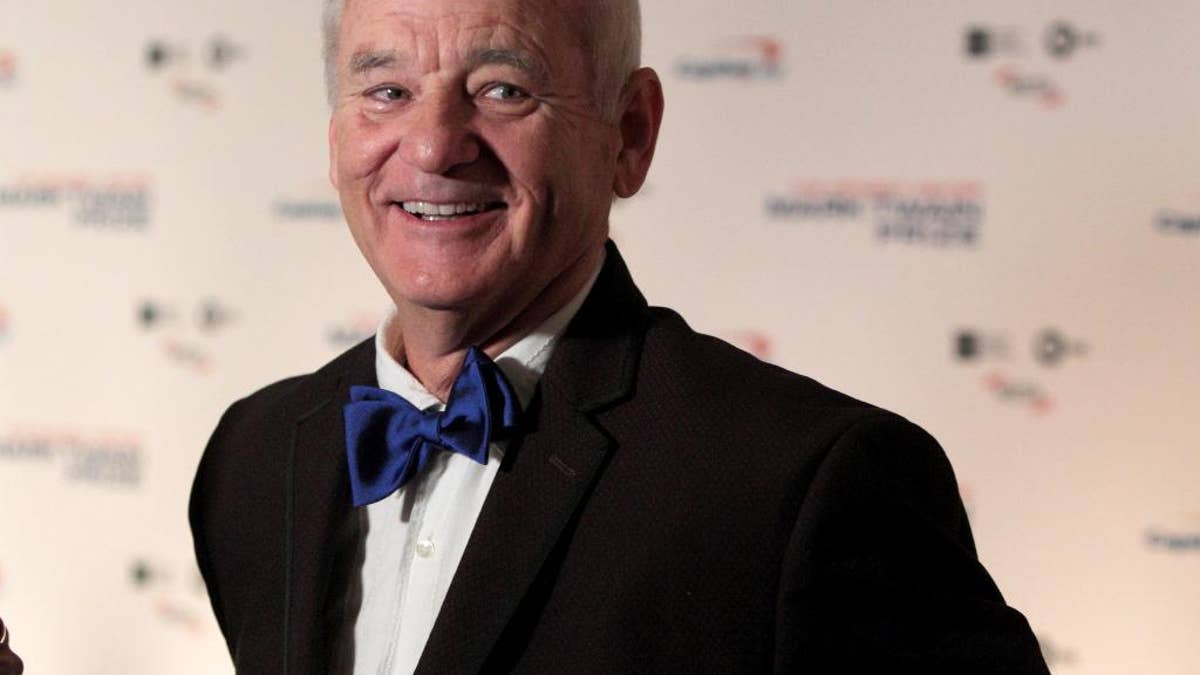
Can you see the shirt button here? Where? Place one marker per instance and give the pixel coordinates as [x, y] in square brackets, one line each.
[425, 548]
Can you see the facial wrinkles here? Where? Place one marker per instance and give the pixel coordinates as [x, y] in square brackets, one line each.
[425, 45]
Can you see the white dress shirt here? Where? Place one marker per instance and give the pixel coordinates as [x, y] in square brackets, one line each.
[414, 539]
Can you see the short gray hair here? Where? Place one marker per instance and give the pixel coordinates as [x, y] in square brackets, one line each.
[331, 26]
[613, 37]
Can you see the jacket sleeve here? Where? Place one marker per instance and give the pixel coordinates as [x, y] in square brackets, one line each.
[10, 663]
[881, 573]
[202, 509]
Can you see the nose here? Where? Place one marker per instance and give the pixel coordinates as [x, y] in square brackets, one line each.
[436, 134]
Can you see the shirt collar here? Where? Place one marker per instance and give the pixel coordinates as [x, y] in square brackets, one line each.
[523, 363]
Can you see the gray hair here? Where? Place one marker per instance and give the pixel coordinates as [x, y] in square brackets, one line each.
[331, 26]
[613, 37]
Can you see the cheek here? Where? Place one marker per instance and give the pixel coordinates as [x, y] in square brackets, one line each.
[363, 147]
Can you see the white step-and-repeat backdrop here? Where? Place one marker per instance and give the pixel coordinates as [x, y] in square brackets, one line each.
[983, 215]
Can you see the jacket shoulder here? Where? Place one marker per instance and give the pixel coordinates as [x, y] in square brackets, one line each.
[713, 369]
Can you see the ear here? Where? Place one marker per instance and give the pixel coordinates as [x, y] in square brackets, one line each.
[640, 117]
[333, 154]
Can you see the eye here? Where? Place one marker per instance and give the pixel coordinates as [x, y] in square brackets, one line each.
[503, 91]
[387, 93]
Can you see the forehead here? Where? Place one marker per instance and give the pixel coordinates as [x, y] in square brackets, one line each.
[430, 31]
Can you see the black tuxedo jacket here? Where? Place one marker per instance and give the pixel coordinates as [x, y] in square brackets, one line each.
[675, 505]
[10, 664]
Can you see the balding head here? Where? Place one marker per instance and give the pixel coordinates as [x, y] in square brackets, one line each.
[611, 31]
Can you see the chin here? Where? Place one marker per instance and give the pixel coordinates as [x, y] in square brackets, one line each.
[449, 293]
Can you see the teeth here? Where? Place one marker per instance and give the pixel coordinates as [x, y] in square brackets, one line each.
[429, 209]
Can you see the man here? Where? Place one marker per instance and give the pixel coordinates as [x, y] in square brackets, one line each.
[615, 493]
[10, 664]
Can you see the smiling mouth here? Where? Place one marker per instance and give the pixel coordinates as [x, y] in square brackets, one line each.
[453, 211]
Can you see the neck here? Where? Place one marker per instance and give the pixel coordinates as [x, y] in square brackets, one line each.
[432, 343]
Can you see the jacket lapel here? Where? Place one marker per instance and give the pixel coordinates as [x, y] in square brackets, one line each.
[318, 528]
[546, 475]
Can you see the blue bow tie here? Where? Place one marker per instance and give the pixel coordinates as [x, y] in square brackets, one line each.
[389, 440]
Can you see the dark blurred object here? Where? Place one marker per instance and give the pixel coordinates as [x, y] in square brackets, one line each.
[10, 664]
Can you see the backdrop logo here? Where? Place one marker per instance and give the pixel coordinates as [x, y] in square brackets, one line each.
[177, 598]
[310, 210]
[114, 203]
[972, 345]
[1049, 348]
[1038, 87]
[1171, 222]
[754, 57]
[192, 74]
[4, 329]
[1027, 74]
[1020, 391]
[345, 334]
[929, 213]
[1180, 536]
[100, 458]
[187, 348]
[8, 68]
[1062, 39]
[982, 42]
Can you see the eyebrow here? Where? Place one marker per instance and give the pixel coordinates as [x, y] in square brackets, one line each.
[367, 60]
[512, 58]
[505, 57]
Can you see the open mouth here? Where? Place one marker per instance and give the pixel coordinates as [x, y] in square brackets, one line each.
[431, 212]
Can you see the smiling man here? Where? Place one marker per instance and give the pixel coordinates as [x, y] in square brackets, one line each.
[528, 468]
[476, 163]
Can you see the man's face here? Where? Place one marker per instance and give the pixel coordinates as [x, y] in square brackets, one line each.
[472, 163]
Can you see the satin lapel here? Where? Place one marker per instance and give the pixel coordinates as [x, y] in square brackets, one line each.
[318, 506]
[546, 476]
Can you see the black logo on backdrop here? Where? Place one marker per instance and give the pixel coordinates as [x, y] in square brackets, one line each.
[929, 213]
[973, 345]
[1062, 40]
[1059, 41]
[1175, 542]
[209, 315]
[118, 203]
[1180, 535]
[983, 42]
[176, 596]
[192, 73]
[1049, 348]
[216, 54]
[1172, 222]
[186, 330]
